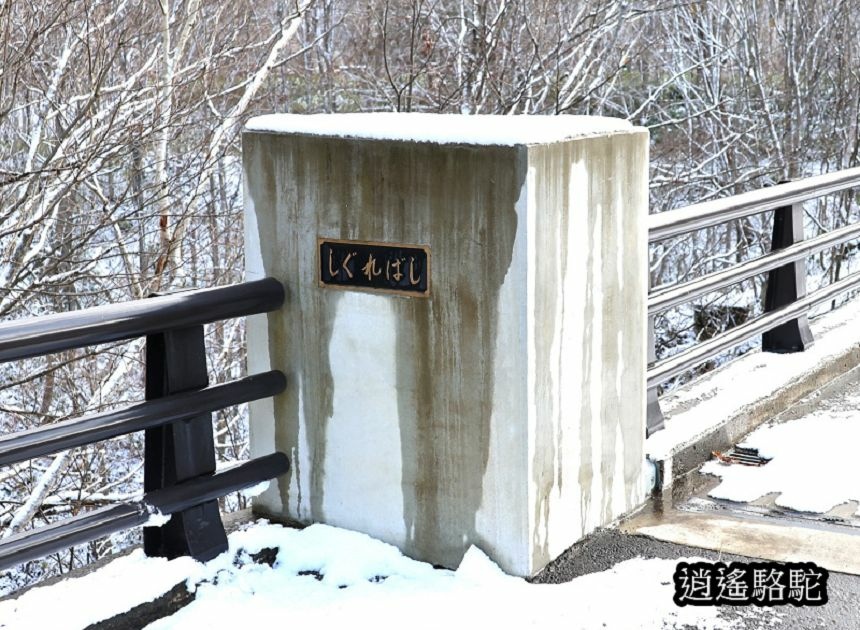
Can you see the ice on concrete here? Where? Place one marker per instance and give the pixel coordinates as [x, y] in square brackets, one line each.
[329, 577]
[814, 467]
[441, 128]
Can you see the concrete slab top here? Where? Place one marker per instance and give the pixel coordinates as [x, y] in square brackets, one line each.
[442, 128]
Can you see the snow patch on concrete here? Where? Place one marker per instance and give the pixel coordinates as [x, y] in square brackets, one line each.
[113, 589]
[814, 467]
[441, 128]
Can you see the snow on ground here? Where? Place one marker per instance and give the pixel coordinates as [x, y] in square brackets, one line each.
[118, 586]
[815, 465]
[329, 577]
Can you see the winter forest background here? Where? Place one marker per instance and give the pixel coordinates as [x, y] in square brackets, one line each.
[120, 130]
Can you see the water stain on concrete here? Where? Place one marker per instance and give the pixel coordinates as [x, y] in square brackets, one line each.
[283, 186]
[460, 202]
[580, 229]
[463, 203]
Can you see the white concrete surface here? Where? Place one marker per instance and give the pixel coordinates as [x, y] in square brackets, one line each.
[777, 541]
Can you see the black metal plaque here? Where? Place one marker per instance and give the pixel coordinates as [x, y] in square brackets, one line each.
[382, 267]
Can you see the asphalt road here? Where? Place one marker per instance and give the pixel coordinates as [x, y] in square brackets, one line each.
[606, 548]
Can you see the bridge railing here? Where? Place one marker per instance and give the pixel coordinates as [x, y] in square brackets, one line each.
[783, 326]
[180, 478]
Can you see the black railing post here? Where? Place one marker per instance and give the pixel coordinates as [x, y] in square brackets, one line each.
[183, 450]
[786, 284]
[655, 414]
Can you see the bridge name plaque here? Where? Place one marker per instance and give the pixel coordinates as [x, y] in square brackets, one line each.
[378, 267]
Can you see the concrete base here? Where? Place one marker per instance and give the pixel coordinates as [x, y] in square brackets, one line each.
[507, 410]
[780, 542]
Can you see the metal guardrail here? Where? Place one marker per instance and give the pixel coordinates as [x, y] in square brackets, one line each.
[784, 326]
[179, 455]
[31, 337]
[665, 225]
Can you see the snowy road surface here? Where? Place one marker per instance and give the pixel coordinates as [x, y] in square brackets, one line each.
[800, 506]
[814, 465]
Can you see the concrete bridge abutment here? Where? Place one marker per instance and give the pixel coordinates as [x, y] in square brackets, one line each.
[464, 334]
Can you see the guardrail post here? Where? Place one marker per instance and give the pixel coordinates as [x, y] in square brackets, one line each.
[655, 420]
[176, 362]
[786, 284]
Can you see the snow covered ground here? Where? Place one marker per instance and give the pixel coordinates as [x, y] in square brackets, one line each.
[814, 467]
[329, 577]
